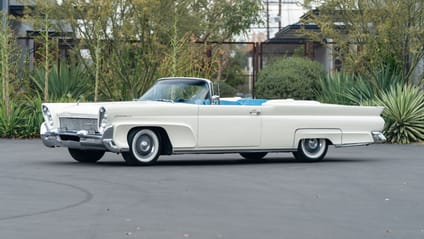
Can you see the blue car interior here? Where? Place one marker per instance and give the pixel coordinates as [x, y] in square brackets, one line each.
[244, 101]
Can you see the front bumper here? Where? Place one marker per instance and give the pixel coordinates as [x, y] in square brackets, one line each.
[80, 139]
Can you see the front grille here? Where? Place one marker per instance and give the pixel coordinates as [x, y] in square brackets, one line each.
[77, 124]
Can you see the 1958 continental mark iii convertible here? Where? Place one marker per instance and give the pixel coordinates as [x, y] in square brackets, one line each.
[182, 115]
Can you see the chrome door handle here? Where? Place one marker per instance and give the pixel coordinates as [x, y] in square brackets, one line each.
[255, 112]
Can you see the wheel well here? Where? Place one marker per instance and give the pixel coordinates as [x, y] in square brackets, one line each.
[166, 148]
[331, 135]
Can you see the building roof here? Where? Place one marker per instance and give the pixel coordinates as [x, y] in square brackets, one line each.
[292, 34]
[21, 3]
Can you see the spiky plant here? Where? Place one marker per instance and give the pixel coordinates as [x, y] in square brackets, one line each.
[66, 81]
[12, 123]
[403, 113]
[34, 117]
[368, 87]
[334, 87]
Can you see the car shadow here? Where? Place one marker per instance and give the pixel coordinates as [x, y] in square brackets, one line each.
[169, 162]
[221, 162]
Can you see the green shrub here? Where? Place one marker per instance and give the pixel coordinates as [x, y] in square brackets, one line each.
[403, 114]
[224, 89]
[293, 77]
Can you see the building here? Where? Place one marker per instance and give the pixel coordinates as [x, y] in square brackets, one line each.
[275, 15]
[290, 41]
[27, 35]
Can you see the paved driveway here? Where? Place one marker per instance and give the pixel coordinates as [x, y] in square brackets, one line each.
[365, 192]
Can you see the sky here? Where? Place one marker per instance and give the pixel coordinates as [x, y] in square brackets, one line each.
[291, 11]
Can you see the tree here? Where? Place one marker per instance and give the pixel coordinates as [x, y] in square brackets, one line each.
[41, 15]
[221, 20]
[10, 56]
[5, 59]
[372, 33]
[131, 43]
[234, 72]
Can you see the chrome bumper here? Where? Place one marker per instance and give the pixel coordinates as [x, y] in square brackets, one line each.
[79, 140]
[378, 137]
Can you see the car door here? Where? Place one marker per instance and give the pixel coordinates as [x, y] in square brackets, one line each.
[229, 126]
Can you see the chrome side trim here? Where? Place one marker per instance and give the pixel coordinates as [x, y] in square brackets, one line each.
[351, 145]
[229, 151]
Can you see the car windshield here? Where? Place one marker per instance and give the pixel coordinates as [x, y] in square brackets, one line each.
[179, 90]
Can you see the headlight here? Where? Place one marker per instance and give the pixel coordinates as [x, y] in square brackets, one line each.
[47, 115]
[102, 118]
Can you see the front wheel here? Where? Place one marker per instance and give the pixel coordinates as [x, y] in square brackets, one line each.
[311, 150]
[144, 147]
[86, 156]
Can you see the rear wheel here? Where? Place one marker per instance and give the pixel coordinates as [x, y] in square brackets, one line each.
[311, 150]
[86, 156]
[253, 155]
[144, 147]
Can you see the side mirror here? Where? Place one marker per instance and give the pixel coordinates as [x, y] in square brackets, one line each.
[215, 100]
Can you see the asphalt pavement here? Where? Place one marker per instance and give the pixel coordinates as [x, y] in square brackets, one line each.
[362, 192]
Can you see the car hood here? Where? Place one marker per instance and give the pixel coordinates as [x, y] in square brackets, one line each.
[90, 109]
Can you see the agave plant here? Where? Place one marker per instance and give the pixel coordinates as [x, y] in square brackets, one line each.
[66, 81]
[34, 117]
[367, 88]
[12, 123]
[333, 88]
[403, 113]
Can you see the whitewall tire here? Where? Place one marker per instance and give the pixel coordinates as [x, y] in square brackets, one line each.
[311, 150]
[145, 147]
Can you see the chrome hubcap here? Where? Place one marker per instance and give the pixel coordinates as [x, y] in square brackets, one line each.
[313, 148]
[144, 145]
[312, 143]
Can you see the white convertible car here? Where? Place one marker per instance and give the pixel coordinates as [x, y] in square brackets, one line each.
[182, 115]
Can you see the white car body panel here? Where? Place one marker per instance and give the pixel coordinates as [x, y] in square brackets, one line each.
[228, 126]
[274, 125]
